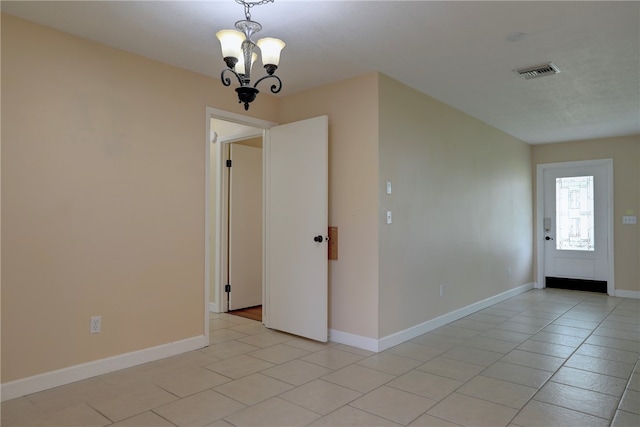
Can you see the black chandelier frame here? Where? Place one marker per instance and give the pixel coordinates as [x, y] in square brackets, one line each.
[246, 92]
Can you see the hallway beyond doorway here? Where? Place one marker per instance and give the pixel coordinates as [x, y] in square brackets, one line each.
[253, 313]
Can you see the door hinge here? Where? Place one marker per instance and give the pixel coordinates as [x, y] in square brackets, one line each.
[227, 288]
[228, 163]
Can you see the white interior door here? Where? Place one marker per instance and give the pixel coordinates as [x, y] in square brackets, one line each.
[576, 222]
[245, 227]
[296, 210]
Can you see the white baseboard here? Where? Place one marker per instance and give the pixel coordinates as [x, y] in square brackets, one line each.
[415, 331]
[353, 340]
[389, 341]
[24, 386]
[627, 294]
[213, 307]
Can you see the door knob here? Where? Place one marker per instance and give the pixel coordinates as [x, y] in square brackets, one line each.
[318, 239]
[548, 238]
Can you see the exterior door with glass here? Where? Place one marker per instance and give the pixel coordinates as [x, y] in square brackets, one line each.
[576, 222]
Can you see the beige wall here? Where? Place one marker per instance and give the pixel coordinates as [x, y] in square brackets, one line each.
[352, 107]
[103, 181]
[476, 222]
[461, 203]
[625, 152]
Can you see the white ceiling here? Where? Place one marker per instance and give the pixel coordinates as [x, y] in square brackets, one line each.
[461, 53]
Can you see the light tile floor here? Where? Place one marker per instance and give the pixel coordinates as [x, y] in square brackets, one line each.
[543, 358]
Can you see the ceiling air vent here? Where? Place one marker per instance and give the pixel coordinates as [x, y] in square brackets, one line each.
[538, 71]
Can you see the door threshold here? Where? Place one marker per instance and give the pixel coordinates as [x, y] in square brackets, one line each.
[599, 286]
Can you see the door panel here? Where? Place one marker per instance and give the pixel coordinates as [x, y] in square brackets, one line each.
[296, 209]
[576, 223]
[245, 227]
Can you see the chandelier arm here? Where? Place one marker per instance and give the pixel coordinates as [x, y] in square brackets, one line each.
[274, 88]
[226, 80]
[247, 93]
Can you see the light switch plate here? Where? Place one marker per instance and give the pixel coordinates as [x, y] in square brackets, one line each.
[629, 219]
[388, 187]
[389, 219]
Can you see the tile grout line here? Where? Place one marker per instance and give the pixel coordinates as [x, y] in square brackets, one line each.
[563, 364]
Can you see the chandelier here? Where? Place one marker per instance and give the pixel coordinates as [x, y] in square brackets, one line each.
[238, 53]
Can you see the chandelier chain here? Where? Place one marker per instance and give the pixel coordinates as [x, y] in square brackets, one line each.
[249, 4]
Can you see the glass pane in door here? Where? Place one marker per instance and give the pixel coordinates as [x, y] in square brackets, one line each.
[574, 213]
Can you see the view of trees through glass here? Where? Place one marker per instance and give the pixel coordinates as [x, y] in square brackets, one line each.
[575, 213]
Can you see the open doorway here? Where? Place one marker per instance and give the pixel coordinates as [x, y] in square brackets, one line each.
[235, 216]
[295, 217]
[243, 199]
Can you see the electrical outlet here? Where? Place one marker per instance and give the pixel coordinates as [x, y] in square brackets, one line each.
[96, 324]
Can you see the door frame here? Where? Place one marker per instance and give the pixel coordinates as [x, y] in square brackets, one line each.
[540, 169]
[215, 206]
